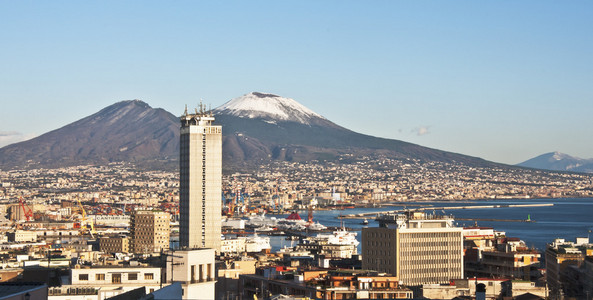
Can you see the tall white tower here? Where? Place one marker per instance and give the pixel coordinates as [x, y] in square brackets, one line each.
[200, 187]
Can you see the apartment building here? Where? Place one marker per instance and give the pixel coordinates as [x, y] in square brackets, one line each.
[415, 247]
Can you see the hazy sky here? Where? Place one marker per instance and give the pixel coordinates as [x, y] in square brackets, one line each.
[502, 80]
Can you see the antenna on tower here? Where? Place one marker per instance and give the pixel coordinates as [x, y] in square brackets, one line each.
[185, 112]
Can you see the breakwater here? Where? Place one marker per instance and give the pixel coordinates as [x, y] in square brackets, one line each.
[374, 214]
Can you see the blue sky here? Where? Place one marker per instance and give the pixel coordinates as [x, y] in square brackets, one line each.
[504, 80]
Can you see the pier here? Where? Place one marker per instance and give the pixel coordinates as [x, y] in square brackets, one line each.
[374, 214]
[495, 220]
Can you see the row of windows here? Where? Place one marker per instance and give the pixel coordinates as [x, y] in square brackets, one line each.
[418, 245]
[378, 243]
[379, 252]
[115, 277]
[432, 234]
[426, 262]
[381, 235]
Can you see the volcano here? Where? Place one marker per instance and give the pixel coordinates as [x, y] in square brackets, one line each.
[257, 128]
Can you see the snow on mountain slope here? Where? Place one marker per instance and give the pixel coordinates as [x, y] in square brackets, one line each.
[557, 161]
[268, 107]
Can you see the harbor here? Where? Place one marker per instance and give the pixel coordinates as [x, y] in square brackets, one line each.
[550, 218]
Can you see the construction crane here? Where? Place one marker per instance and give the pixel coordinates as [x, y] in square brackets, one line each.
[84, 221]
[27, 211]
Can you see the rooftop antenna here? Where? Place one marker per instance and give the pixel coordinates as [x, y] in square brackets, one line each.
[185, 112]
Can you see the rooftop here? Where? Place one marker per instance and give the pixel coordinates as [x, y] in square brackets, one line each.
[13, 288]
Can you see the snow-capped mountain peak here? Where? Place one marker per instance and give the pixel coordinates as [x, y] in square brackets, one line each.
[558, 161]
[269, 107]
[560, 156]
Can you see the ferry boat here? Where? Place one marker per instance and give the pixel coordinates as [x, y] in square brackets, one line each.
[338, 244]
[292, 222]
[316, 226]
[257, 243]
[260, 221]
[338, 237]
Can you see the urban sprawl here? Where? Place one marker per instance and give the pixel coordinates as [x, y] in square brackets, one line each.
[116, 232]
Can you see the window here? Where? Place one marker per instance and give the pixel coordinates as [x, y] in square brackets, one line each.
[148, 276]
[99, 276]
[132, 276]
[116, 278]
[83, 276]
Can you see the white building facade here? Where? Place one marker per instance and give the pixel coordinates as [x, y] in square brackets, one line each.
[195, 270]
[104, 282]
[200, 183]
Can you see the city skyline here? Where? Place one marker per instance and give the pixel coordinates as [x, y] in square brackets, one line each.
[504, 82]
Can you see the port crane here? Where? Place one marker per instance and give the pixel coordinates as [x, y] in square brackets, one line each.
[85, 222]
[27, 211]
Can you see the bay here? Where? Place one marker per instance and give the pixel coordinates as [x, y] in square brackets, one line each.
[568, 218]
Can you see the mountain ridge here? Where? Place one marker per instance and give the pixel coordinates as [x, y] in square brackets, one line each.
[133, 131]
[102, 137]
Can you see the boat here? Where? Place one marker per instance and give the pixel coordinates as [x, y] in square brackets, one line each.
[292, 222]
[338, 237]
[258, 221]
[257, 243]
[365, 222]
[338, 244]
[316, 226]
[265, 228]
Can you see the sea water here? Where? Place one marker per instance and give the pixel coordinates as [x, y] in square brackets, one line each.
[568, 218]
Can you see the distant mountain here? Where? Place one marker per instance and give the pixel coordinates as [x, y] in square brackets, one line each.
[129, 131]
[556, 161]
[257, 128]
[261, 126]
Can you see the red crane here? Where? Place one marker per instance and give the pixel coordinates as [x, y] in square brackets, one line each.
[27, 211]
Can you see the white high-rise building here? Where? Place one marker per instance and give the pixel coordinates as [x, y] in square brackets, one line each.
[200, 181]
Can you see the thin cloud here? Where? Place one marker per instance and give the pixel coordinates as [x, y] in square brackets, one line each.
[421, 130]
[11, 137]
[9, 133]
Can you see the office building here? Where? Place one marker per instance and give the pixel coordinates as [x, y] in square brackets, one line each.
[415, 247]
[150, 231]
[200, 183]
[114, 244]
